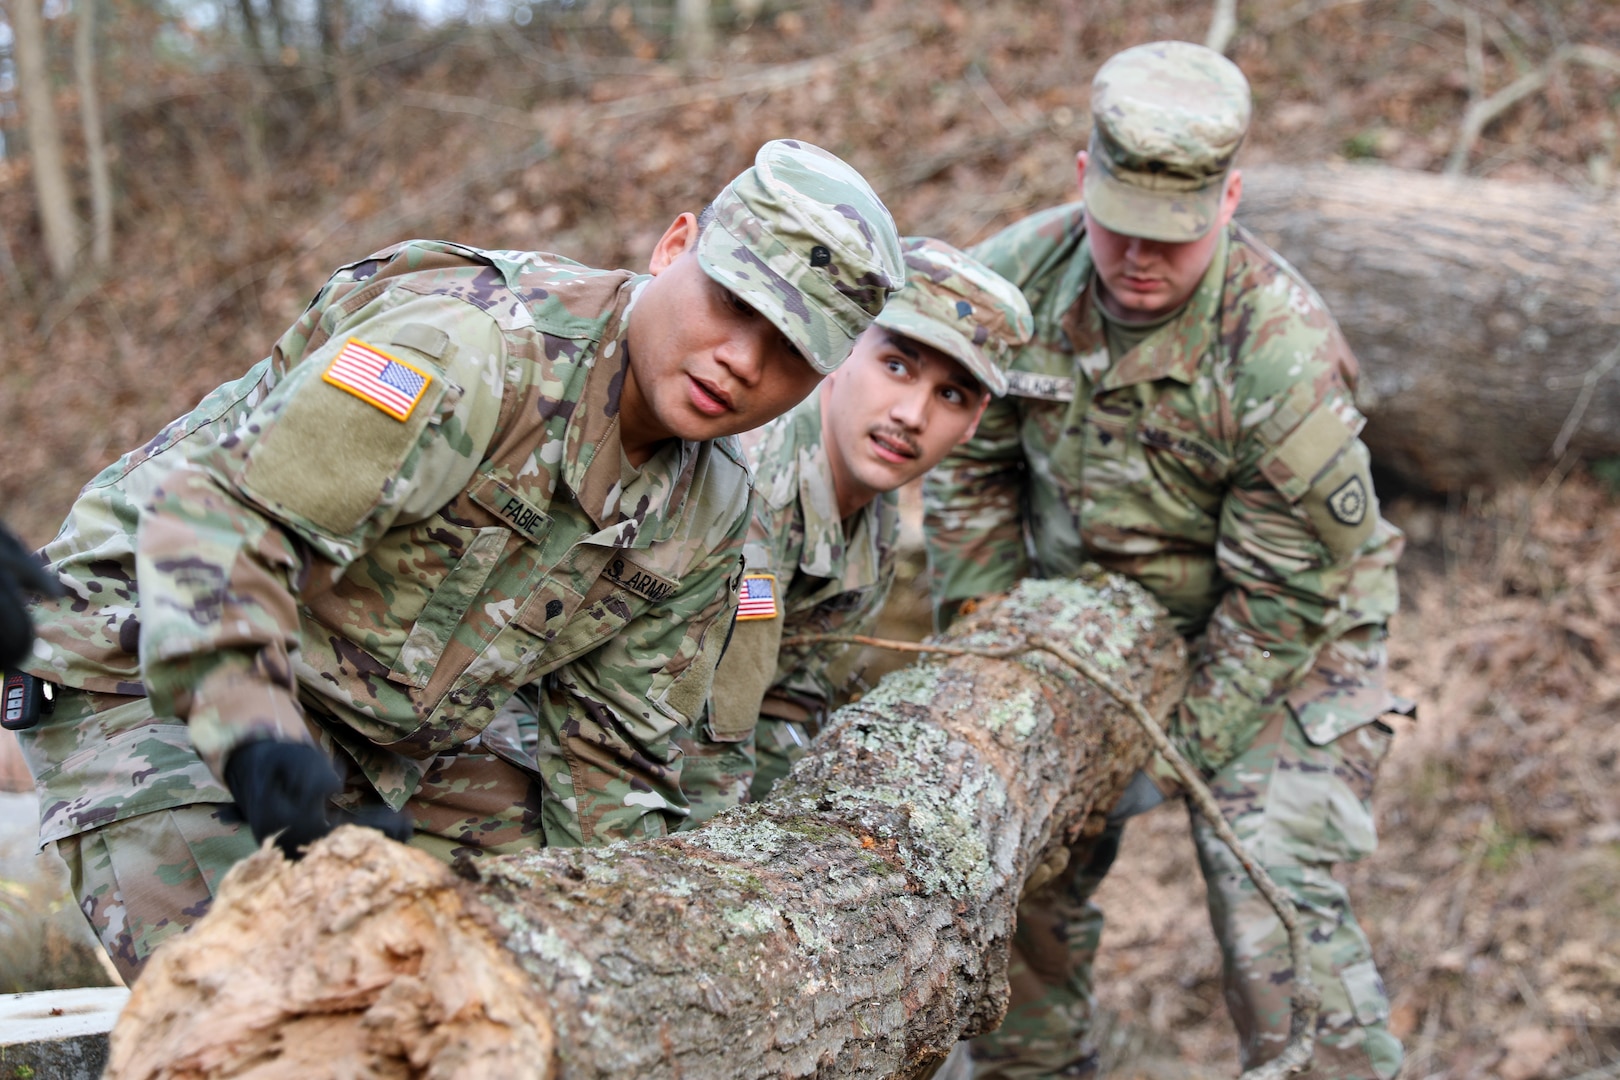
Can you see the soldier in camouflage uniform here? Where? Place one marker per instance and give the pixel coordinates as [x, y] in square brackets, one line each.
[1185, 414]
[821, 549]
[461, 472]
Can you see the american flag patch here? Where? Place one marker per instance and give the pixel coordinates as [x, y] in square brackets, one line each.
[375, 377]
[756, 599]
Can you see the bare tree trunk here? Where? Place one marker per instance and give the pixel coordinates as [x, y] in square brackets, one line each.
[101, 187]
[51, 187]
[1484, 313]
[333, 17]
[694, 36]
[855, 924]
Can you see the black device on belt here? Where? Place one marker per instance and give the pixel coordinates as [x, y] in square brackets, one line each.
[25, 700]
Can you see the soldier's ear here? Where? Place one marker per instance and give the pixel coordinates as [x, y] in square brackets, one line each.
[1080, 160]
[1232, 196]
[678, 239]
[984, 403]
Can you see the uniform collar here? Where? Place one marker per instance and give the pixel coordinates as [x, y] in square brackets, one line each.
[639, 503]
[1175, 350]
[853, 559]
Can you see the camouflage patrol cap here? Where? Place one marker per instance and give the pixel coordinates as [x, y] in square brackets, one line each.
[1167, 120]
[804, 240]
[961, 307]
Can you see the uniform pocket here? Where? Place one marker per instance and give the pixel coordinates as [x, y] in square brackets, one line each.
[1366, 993]
[1318, 807]
[419, 655]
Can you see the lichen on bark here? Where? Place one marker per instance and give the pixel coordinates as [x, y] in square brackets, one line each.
[854, 924]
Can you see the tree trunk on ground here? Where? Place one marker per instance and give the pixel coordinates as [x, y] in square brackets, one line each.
[1484, 313]
[51, 187]
[101, 188]
[855, 924]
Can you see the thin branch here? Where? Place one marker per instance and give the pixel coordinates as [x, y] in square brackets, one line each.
[1302, 11]
[779, 77]
[1481, 113]
[1589, 382]
[992, 101]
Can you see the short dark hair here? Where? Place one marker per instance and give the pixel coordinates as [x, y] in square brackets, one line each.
[705, 218]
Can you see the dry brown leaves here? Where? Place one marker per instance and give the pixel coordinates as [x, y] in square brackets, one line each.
[1494, 899]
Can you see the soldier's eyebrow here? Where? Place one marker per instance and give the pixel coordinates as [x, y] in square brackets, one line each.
[902, 344]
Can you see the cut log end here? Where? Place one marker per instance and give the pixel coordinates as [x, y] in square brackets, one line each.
[363, 959]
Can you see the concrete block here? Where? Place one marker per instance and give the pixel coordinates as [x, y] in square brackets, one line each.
[57, 1034]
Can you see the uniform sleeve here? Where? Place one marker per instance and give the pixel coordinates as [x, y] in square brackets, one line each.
[973, 514]
[275, 511]
[620, 707]
[1298, 530]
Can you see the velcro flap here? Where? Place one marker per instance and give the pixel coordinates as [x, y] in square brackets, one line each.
[1305, 453]
[329, 454]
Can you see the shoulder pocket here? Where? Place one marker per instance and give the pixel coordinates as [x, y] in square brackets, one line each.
[343, 434]
[1323, 468]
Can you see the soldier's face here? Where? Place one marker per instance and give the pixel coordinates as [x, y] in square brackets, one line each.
[702, 363]
[891, 412]
[1144, 278]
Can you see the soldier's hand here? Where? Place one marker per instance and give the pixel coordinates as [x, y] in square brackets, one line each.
[393, 824]
[19, 575]
[282, 787]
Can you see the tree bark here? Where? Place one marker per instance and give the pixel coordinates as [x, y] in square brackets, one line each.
[855, 924]
[51, 187]
[1484, 313]
[101, 187]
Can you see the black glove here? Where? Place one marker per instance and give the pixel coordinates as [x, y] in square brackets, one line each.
[1140, 796]
[391, 823]
[282, 787]
[19, 574]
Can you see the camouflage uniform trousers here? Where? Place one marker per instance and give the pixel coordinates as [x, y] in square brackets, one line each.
[144, 878]
[1299, 808]
[715, 775]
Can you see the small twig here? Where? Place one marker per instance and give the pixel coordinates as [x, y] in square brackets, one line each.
[1577, 412]
[1002, 653]
[992, 101]
[1300, 12]
[1306, 1002]
[1521, 528]
[1481, 113]
[1222, 25]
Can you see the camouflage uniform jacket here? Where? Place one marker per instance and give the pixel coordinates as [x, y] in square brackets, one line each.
[291, 547]
[826, 581]
[1217, 462]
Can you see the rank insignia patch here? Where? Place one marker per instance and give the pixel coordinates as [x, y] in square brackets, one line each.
[1348, 503]
[377, 378]
[756, 599]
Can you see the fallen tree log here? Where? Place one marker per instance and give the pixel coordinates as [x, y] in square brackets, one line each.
[855, 924]
[1486, 314]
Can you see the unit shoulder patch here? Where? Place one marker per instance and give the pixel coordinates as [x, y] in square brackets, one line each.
[378, 378]
[756, 597]
[1348, 502]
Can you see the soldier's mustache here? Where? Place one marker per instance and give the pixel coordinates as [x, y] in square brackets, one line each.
[897, 435]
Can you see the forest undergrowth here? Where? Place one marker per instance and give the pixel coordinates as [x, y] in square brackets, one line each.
[1494, 900]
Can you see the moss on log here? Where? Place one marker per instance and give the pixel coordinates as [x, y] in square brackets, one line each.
[855, 924]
